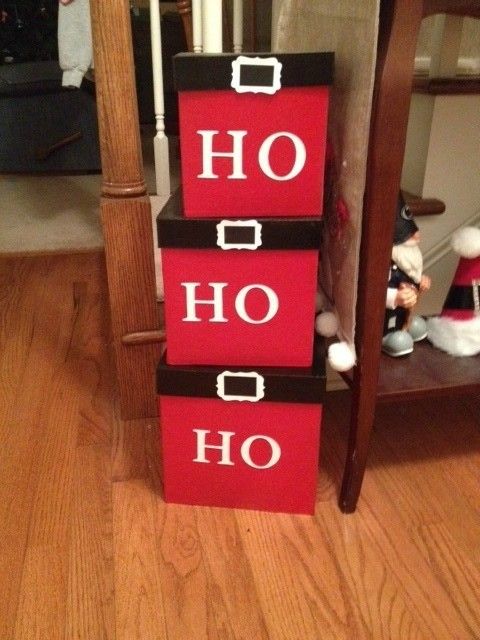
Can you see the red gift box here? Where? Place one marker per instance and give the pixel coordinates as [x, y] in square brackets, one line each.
[238, 291]
[241, 438]
[253, 133]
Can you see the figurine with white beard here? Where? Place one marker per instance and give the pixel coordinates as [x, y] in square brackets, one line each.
[406, 280]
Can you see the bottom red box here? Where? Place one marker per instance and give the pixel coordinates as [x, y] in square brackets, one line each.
[242, 439]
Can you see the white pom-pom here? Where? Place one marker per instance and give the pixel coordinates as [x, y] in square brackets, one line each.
[326, 324]
[341, 356]
[466, 242]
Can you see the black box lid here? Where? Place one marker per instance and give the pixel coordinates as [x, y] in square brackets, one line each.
[197, 71]
[303, 385]
[176, 231]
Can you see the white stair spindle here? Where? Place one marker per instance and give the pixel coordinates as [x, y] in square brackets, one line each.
[237, 26]
[197, 26]
[212, 26]
[160, 142]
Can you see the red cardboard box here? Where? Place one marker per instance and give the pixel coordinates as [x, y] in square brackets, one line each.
[253, 133]
[238, 291]
[242, 438]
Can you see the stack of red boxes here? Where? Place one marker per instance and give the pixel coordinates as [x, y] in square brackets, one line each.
[242, 382]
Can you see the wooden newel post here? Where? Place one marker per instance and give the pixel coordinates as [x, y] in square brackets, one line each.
[125, 208]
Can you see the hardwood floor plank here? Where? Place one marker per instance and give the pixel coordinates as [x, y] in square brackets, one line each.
[53, 466]
[70, 359]
[139, 611]
[90, 594]
[207, 584]
[54, 462]
[41, 610]
[43, 428]
[90, 606]
[430, 603]
[421, 455]
[455, 570]
[230, 580]
[296, 581]
[32, 348]
[407, 494]
[444, 452]
[375, 602]
[17, 490]
[16, 323]
[378, 607]
[184, 578]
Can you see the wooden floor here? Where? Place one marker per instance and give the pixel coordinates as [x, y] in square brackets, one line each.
[88, 549]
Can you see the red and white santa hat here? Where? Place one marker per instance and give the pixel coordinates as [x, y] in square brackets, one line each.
[457, 329]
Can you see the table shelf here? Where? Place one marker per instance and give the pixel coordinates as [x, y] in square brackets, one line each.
[426, 371]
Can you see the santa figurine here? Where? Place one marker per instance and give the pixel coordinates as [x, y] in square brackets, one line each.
[457, 329]
[406, 281]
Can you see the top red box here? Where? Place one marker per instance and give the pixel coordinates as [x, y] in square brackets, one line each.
[253, 133]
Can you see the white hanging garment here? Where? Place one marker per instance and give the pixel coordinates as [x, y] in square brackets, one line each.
[75, 51]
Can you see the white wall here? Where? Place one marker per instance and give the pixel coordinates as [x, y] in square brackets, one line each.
[417, 142]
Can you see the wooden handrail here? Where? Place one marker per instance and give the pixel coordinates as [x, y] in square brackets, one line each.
[459, 85]
[458, 7]
[423, 206]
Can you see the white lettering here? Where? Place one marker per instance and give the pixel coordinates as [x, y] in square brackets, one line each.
[217, 302]
[208, 154]
[224, 447]
[264, 156]
[272, 303]
[275, 447]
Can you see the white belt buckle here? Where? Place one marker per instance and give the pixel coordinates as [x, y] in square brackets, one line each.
[256, 75]
[227, 227]
[224, 386]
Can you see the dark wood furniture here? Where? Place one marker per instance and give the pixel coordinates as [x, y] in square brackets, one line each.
[427, 371]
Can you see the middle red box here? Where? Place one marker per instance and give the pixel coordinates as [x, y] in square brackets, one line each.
[238, 291]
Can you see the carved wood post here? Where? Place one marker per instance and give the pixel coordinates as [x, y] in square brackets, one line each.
[125, 208]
